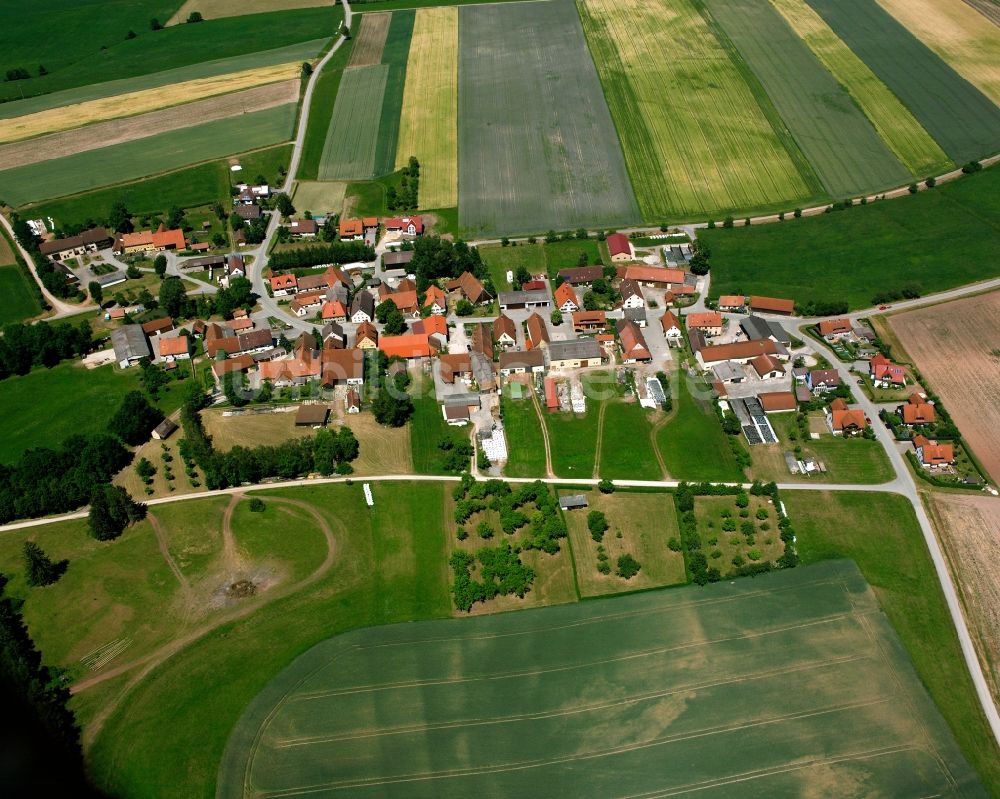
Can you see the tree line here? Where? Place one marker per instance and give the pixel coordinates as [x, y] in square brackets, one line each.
[327, 452]
[337, 252]
[53, 279]
[25, 346]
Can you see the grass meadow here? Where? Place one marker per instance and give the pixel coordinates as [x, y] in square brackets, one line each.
[958, 115]
[955, 31]
[692, 443]
[526, 448]
[536, 144]
[390, 567]
[583, 699]
[187, 188]
[47, 406]
[18, 300]
[893, 243]
[62, 36]
[349, 152]
[627, 446]
[428, 127]
[897, 565]
[136, 159]
[843, 147]
[905, 136]
[645, 522]
[718, 149]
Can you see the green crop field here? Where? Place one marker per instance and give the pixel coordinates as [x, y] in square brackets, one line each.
[349, 152]
[186, 188]
[135, 159]
[893, 244]
[845, 151]
[720, 145]
[627, 447]
[521, 425]
[905, 136]
[18, 300]
[46, 406]
[692, 443]
[785, 685]
[206, 69]
[897, 565]
[390, 565]
[394, 57]
[63, 37]
[961, 118]
[536, 143]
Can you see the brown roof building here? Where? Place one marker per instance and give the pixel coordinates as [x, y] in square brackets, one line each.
[772, 305]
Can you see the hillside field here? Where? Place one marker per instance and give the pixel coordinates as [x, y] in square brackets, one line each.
[536, 144]
[161, 152]
[714, 148]
[934, 240]
[646, 694]
[843, 148]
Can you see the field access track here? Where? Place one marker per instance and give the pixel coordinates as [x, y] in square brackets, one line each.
[960, 117]
[845, 150]
[792, 684]
[537, 146]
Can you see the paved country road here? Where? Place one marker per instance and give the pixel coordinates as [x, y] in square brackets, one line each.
[61, 308]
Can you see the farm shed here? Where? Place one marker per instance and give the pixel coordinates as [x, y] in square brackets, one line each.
[573, 501]
[311, 415]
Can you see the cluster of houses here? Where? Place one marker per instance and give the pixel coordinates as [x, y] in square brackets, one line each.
[228, 266]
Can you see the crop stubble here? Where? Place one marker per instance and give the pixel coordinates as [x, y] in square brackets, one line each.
[371, 39]
[106, 134]
[843, 148]
[537, 146]
[216, 9]
[429, 120]
[963, 120]
[139, 102]
[955, 32]
[953, 346]
[896, 125]
[694, 137]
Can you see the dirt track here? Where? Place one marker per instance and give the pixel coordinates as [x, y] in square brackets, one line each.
[150, 661]
[103, 134]
[161, 540]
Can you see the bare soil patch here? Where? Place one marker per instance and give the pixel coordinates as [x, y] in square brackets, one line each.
[969, 527]
[104, 134]
[956, 347]
[215, 9]
[371, 39]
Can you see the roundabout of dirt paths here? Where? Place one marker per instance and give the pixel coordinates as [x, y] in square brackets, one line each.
[232, 557]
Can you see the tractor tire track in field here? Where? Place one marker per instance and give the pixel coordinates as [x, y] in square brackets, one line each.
[153, 659]
[600, 441]
[654, 432]
[545, 435]
[162, 543]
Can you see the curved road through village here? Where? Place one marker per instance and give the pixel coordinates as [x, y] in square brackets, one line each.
[902, 484]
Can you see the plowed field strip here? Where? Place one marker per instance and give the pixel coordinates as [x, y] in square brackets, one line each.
[371, 39]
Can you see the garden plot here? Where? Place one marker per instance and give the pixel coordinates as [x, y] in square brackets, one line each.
[958, 115]
[695, 137]
[349, 152]
[537, 146]
[845, 151]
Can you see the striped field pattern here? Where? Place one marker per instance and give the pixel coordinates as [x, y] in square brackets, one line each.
[429, 122]
[349, 152]
[905, 136]
[695, 138]
[371, 39]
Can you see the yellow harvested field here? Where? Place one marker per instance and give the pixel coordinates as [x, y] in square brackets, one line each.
[956, 347]
[6, 252]
[371, 39]
[215, 9]
[104, 134]
[320, 196]
[969, 527]
[251, 429]
[382, 450]
[694, 136]
[141, 102]
[428, 125]
[899, 129]
[959, 34]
